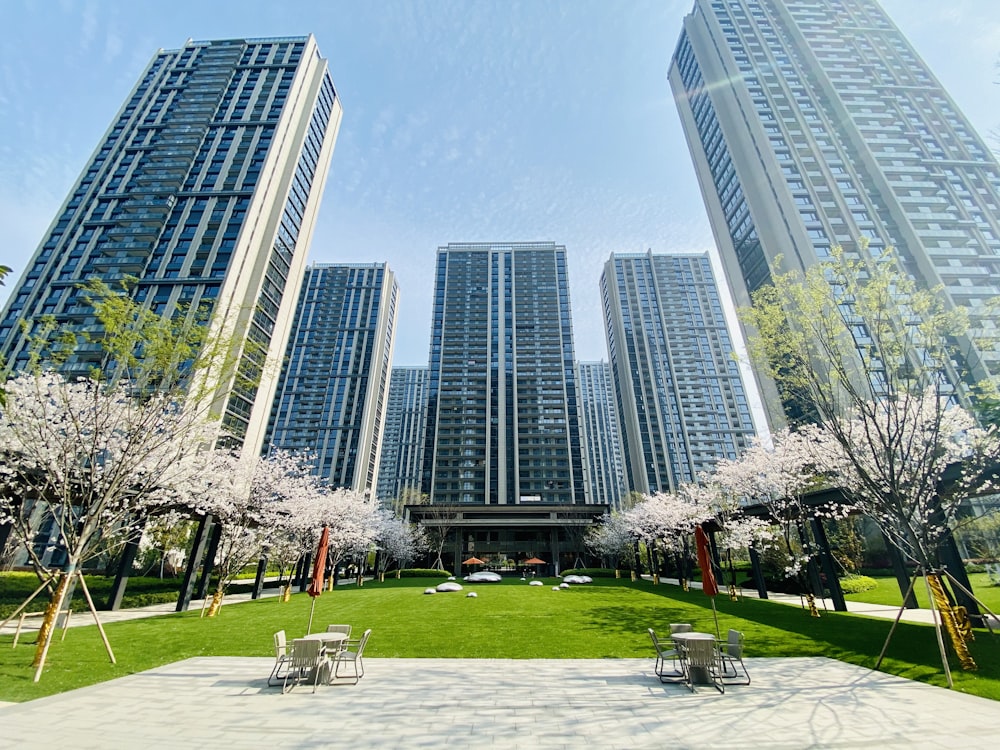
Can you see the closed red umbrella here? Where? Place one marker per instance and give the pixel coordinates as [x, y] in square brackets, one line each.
[319, 573]
[708, 584]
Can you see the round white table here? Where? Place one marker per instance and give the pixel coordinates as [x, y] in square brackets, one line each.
[692, 636]
[326, 638]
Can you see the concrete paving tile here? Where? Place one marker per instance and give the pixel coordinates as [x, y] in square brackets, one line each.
[404, 703]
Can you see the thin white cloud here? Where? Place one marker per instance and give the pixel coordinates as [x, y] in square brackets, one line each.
[88, 25]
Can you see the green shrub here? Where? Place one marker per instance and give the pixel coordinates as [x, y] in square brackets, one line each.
[423, 573]
[855, 584]
[592, 572]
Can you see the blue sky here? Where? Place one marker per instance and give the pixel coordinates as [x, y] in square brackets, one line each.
[463, 121]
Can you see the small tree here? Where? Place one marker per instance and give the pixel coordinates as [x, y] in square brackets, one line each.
[612, 540]
[737, 531]
[399, 541]
[163, 542]
[437, 521]
[355, 521]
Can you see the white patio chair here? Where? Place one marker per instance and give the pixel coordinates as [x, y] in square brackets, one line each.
[731, 652]
[352, 653]
[662, 654]
[308, 661]
[701, 661]
[281, 658]
[680, 627]
[345, 629]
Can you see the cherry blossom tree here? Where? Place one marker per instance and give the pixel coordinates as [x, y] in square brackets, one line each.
[666, 520]
[355, 520]
[883, 365]
[92, 458]
[612, 540]
[399, 541]
[778, 477]
[249, 500]
[736, 531]
[94, 453]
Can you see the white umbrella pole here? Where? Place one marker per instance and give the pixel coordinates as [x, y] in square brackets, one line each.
[311, 610]
[715, 616]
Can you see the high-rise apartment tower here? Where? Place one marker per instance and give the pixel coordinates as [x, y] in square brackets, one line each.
[503, 432]
[204, 190]
[681, 400]
[817, 124]
[331, 396]
[602, 466]
[401, 466]
[503, 424]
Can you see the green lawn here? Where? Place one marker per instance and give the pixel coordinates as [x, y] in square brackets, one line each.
[888, 592]
[607, 619]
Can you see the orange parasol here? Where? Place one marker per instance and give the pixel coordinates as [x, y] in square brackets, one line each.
[319, 571]
[473, 561]
[533, 561]
[708, 584]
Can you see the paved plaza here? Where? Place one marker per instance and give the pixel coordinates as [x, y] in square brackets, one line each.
[486, 703]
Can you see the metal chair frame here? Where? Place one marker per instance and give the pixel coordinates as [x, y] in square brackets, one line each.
[731, 652]
[281, 657]
[308, 660]
[662, 654]
[352, 653]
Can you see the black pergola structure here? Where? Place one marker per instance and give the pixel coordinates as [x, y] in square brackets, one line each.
[951, 558]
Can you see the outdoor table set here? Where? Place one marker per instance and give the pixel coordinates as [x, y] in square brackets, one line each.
[318, 658]
[698, 659]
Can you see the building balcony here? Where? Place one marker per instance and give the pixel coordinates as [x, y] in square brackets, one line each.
[127, 248]
[124, 263]
[144, 218]
[132, 231]
[144, 207]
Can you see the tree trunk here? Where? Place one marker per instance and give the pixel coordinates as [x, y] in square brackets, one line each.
[49, 621]
[216, 605]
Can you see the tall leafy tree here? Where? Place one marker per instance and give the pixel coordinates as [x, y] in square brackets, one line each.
[887, 367]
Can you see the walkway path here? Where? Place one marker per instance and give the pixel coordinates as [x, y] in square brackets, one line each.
[83, 617]
[485, 703]
[885, 611]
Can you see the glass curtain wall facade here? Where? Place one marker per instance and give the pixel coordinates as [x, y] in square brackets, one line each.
[204, 190]
[331, 395]
[602, 466]
[817, 124]
[503, 425]
[680, 397]
[402, 460]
